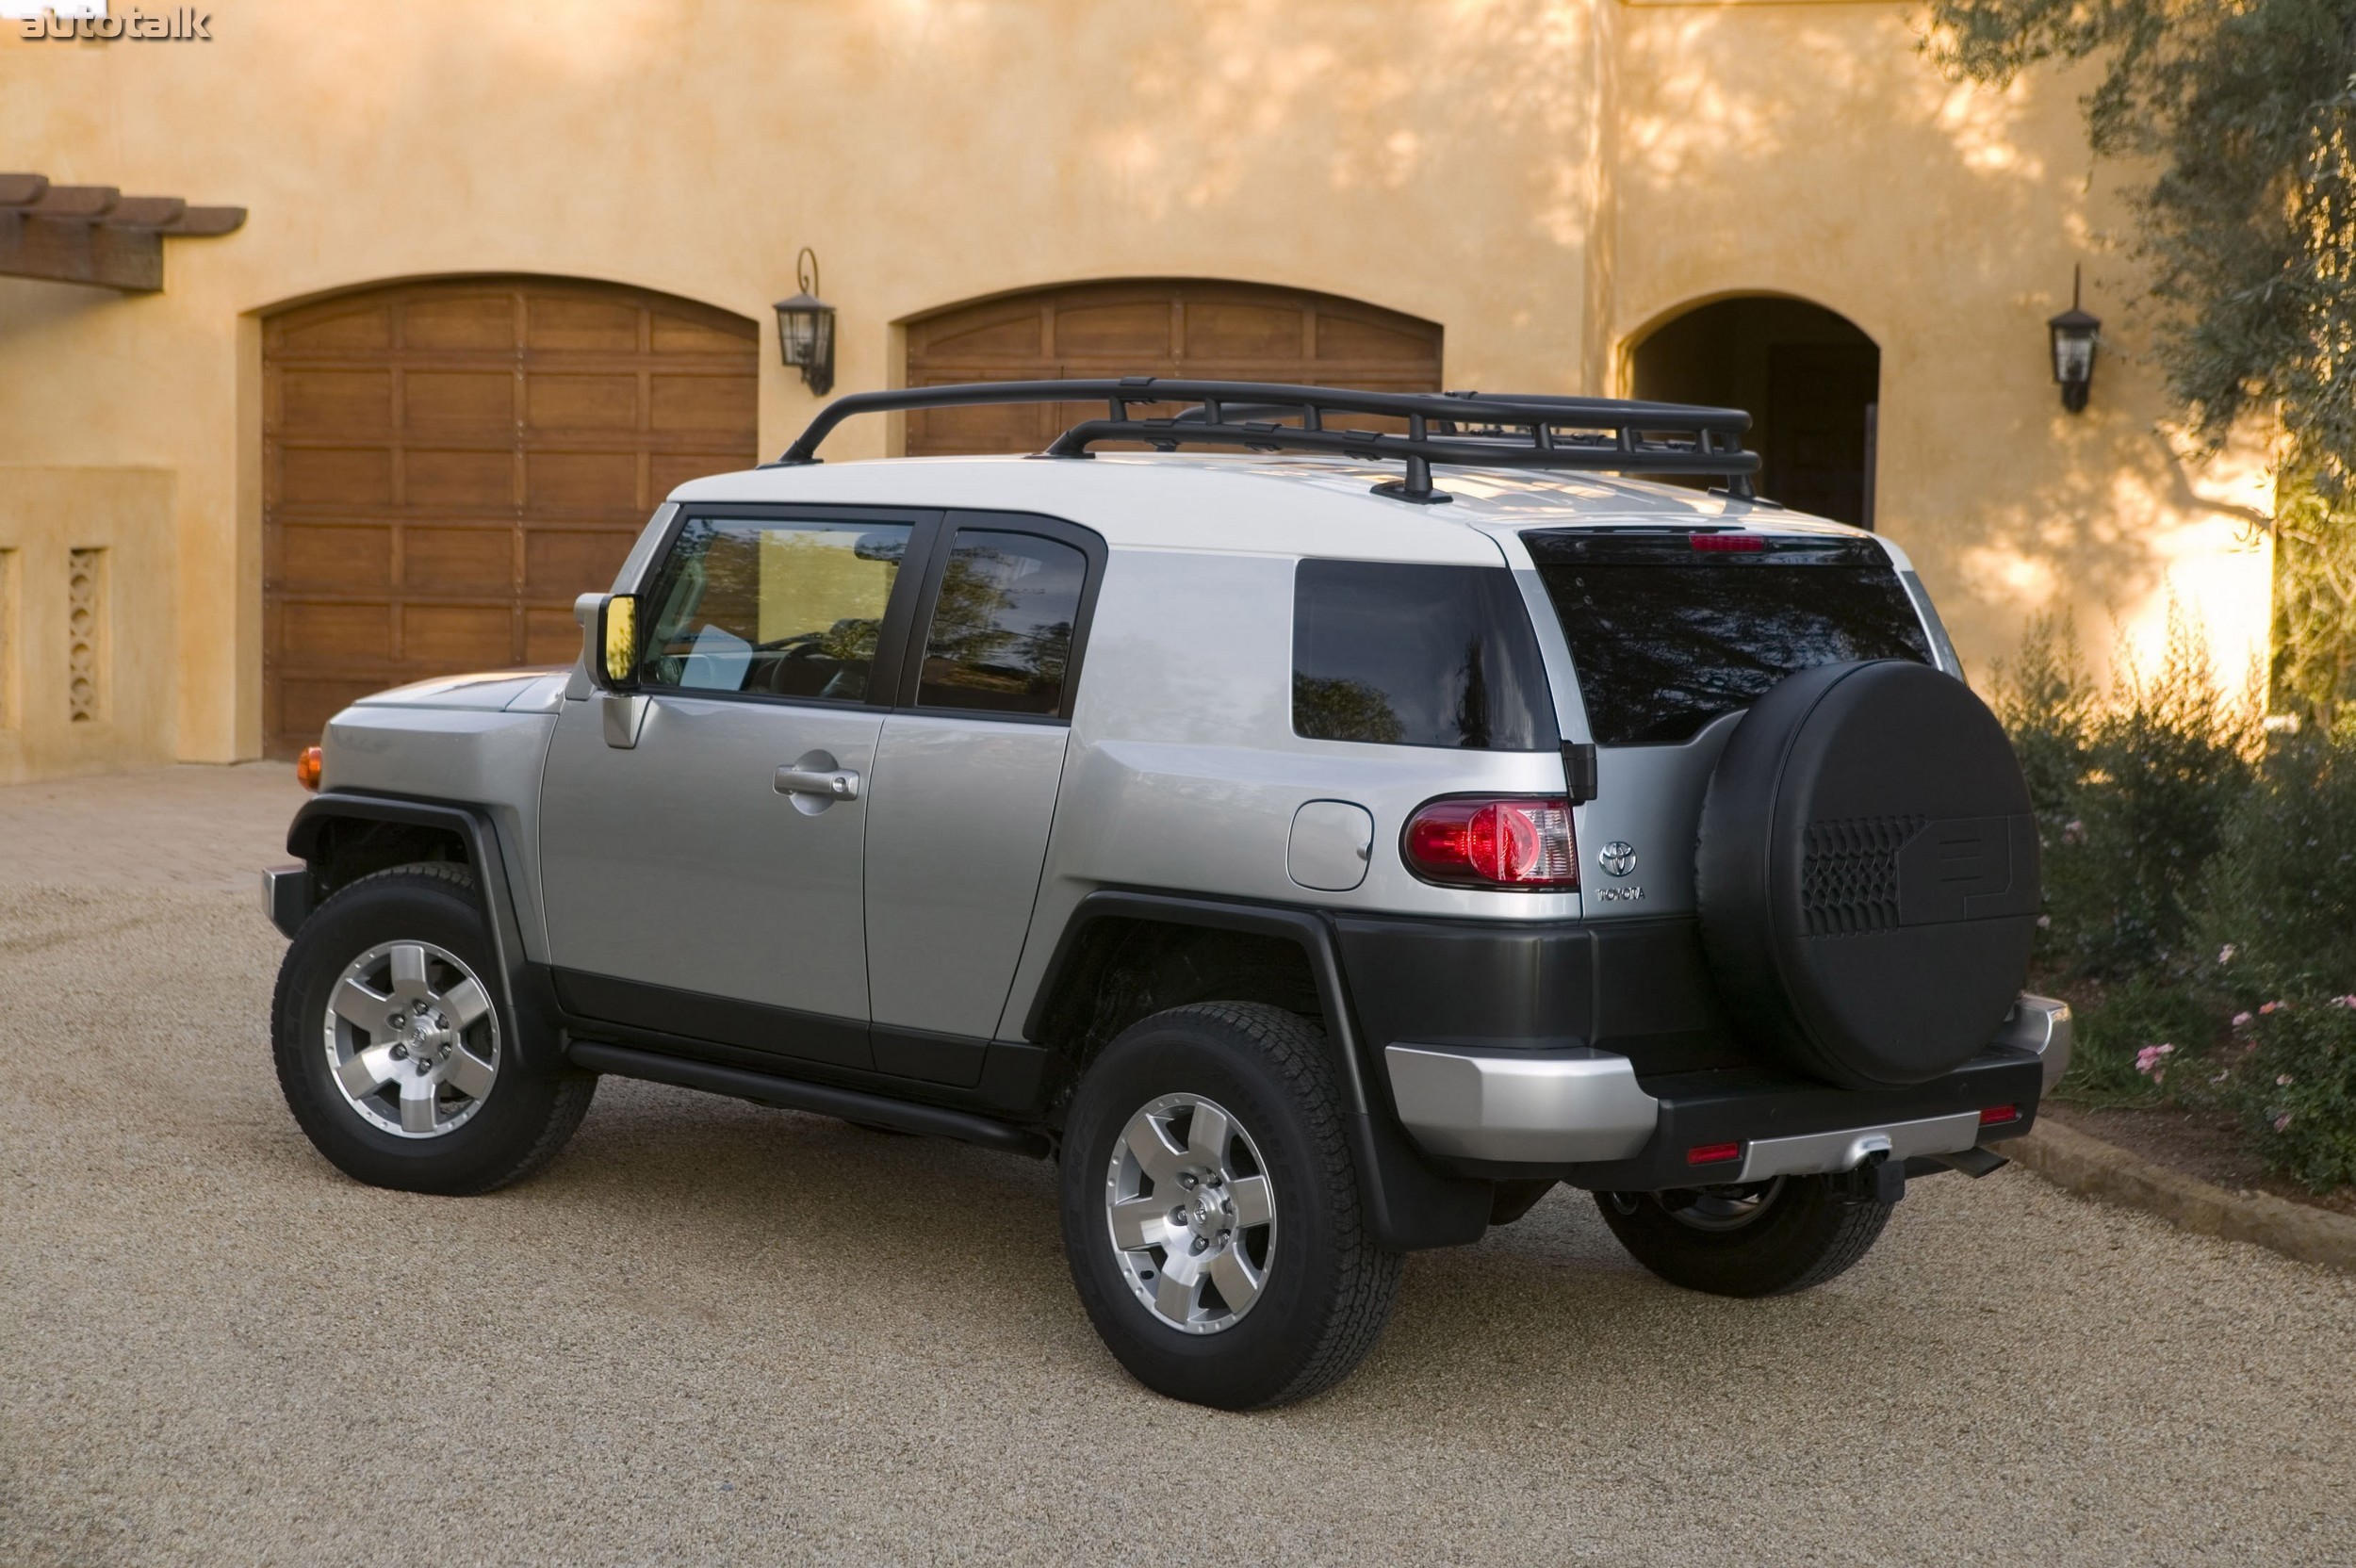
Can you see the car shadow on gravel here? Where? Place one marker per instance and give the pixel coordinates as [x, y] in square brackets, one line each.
[715, 1210]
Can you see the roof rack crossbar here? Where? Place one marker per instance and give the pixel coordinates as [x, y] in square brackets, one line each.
[1509, 431]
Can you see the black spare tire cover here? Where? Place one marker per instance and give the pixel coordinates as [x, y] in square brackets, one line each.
[1866, 872]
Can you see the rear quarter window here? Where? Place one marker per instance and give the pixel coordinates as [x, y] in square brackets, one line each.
[1666, 634]
[1417, 655]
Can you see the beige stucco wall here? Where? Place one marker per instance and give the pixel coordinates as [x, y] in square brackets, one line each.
[45, 515]
[1544, 179]
[1803, 150]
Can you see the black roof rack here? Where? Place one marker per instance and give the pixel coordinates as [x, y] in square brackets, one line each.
[1474, 429]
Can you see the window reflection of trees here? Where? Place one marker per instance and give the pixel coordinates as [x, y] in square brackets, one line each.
[978, 642]
[1326, 708]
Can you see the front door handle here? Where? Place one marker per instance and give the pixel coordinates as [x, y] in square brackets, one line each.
[818, 775]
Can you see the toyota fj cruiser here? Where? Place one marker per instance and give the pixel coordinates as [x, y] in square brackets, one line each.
[1316, 872]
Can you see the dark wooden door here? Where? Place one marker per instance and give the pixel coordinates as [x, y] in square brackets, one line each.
[1817, 428]
[446, 464]
[1151, 327]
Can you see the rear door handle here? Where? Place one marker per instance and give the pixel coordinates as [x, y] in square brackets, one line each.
[829, 783]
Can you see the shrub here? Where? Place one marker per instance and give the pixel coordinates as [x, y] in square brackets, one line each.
[2281, 898]
[2117, 1028]
[2291, 1073]
[2132, 796]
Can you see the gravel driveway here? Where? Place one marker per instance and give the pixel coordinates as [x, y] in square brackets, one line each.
[712, 1333]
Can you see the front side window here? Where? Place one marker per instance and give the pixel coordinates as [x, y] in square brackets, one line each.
[1000, 634]
[784, 609]
[1417, 655]
[1670, 629]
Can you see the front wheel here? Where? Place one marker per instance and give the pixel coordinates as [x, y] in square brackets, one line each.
[394, 1051]
[1763, 1238]
[1211, 1213]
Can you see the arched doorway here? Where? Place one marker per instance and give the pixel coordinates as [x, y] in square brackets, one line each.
[1151, 327]
[1811, 379]
[447, 464]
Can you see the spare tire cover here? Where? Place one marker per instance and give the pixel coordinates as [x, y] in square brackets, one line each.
[1866, 872]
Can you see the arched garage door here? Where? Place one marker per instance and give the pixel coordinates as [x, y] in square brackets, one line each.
[1151, 327]
[447, 463]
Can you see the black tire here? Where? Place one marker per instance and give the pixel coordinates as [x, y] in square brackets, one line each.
[1807, 1230]
[521, 1122]
[1327, 1289]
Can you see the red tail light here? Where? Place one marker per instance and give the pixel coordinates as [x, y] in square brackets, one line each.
[1713, 1153]
[1726, 542]
[1996, 1116]
[1494, 842]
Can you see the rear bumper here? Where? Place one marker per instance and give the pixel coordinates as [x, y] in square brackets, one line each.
[1583, 1115]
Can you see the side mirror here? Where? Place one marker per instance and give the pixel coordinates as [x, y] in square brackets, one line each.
[610, 641]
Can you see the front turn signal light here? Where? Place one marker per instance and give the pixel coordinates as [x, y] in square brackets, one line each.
[308, 767]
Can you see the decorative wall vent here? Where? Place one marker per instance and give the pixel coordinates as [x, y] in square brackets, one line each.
[86, 634]
[96, 235]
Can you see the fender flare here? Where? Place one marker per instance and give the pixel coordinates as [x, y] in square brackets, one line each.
[529, 998]
[1410, 1207]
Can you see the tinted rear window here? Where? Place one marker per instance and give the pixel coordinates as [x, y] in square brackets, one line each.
[1417, 655]
[1666, 636]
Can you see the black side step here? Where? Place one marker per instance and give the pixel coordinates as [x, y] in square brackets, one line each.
[767, 1089]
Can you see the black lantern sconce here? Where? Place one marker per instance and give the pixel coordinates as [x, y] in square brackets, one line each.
[806, 327]
[2074, 334]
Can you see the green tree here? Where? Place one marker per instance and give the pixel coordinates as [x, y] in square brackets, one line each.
[2247, 112]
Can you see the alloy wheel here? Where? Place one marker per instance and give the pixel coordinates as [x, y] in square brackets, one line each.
[412, 1038]
[1190, 1213]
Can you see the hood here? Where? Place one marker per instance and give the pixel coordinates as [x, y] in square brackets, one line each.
[490, 690]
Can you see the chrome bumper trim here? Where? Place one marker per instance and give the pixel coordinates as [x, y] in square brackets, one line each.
[1821, 1154]
[2041, 1026]
[1551, 1107]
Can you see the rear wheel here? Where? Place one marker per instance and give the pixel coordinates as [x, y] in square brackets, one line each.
[1763, 1238]
[393, 1049]
[1211, 1213]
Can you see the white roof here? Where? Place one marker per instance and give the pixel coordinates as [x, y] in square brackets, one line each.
[1243, 503]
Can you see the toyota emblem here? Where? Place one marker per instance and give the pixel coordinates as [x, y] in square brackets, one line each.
[1617, 858]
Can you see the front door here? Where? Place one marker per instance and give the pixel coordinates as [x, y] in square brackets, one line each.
[702, 864]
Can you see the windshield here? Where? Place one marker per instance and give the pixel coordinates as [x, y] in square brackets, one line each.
[1668, 630]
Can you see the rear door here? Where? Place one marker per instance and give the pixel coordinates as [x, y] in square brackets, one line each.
[1671, 634]
[703, 874]
[966, 775]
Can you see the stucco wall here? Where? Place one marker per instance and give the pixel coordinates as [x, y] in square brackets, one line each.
[1544, 179]
[128, 704]
[1804, 150]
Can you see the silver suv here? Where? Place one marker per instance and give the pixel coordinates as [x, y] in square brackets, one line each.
[1317, 871]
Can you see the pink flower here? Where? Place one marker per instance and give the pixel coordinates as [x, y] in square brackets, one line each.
[2153, 1059]
[2274, 1006]
[2282, 1081]
[2241, 1021]
[2225, 954]
[2044, 922]
[2072, 832]
[2282, 1122]
[2349, 1000]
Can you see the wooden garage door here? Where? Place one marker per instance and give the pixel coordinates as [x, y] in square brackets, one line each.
[1151, 327]
[447, 464]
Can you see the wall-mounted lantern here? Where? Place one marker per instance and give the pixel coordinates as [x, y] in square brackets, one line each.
[806, 327]
[2074, 334]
